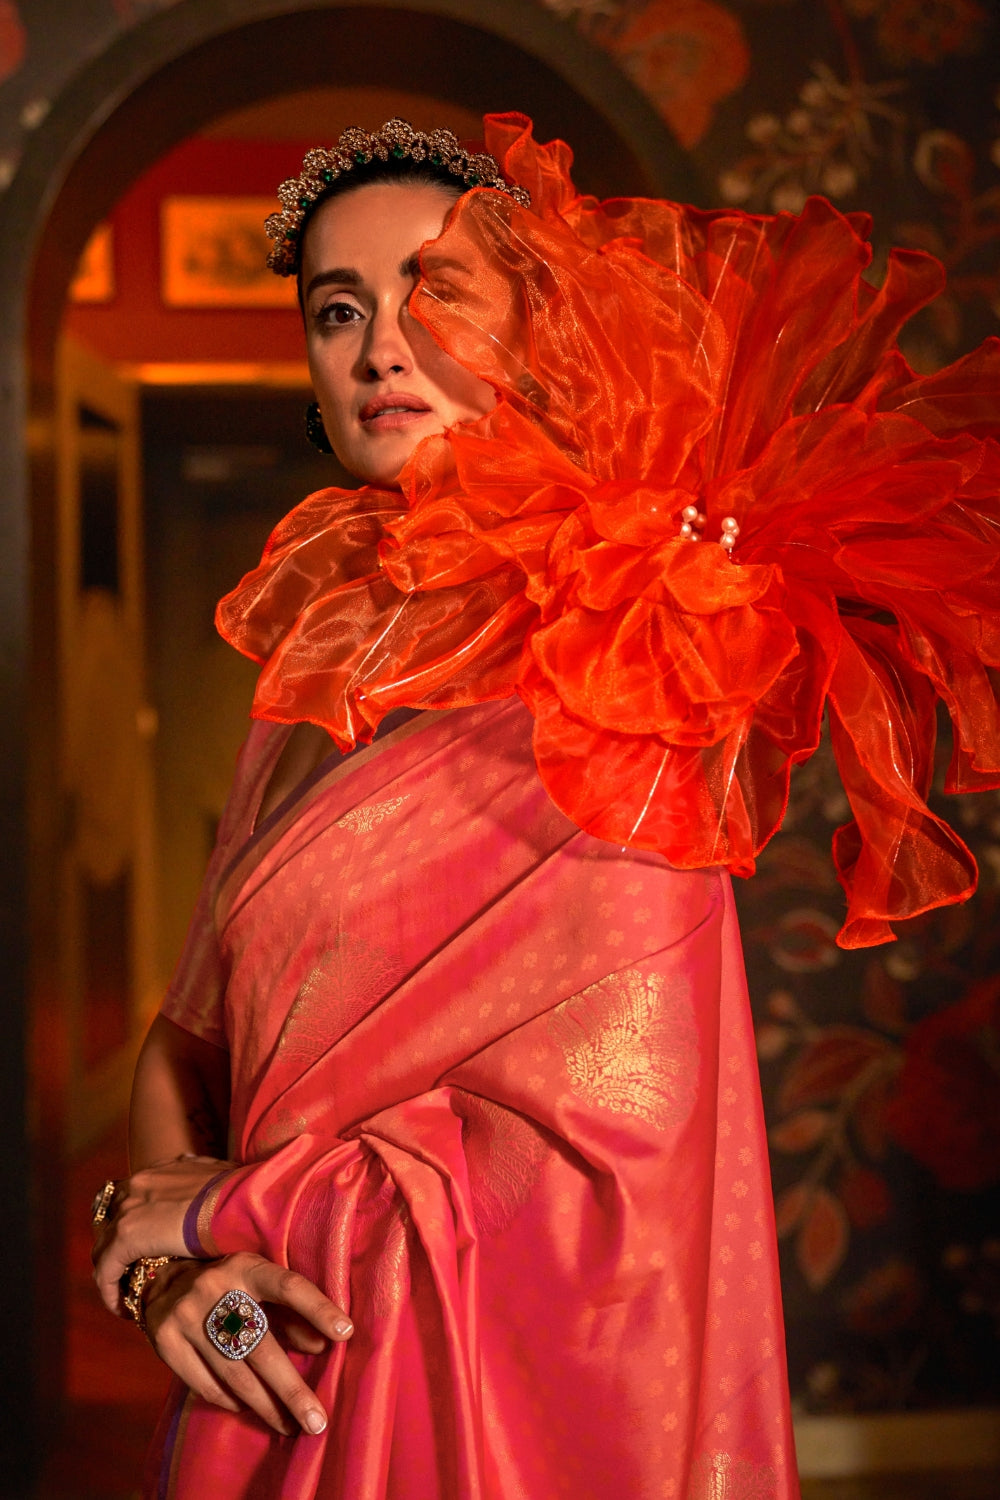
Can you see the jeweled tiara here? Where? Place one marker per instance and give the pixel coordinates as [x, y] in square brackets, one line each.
[396, 140]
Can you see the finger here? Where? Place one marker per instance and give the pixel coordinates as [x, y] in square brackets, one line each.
[127, 1242]
[185, 1361]
[294, 1332]
[271, 1283]
[246, 1385]
[98, 1252]
[277, 1374]
[103, 1235]
[234, 1376]
[108, 1272]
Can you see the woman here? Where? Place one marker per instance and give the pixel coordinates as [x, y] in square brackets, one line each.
[486, 1064]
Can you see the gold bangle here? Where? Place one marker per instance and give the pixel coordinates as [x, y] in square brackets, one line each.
[140, 1273]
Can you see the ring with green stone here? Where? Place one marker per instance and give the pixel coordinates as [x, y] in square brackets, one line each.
[236, 1324]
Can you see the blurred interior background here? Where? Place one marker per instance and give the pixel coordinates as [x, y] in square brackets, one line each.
[154, 390]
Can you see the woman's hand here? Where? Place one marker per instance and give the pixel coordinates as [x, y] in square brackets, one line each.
[181, 1298]
[147, 1218]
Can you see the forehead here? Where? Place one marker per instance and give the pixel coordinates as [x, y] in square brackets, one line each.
[380, 221]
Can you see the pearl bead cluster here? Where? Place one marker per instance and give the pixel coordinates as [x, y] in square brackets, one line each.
[693, 520]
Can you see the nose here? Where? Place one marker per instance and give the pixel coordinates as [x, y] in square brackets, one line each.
[387, 349]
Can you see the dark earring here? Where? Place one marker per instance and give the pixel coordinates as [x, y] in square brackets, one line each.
[315, 431]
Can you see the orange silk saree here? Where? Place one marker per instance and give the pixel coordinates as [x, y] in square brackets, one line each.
[495, 1091]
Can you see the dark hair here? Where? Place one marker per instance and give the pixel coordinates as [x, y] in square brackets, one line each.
[406, 173]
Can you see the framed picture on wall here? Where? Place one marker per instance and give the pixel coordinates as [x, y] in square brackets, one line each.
[213, 253]
[94, 280]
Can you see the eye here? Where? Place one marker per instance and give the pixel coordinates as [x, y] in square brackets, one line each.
[337, 314]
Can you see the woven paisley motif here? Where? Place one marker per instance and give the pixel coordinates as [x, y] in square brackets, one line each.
[362, 820]
[382, 1225]
[630, 1046]
[283, 1126]
[390, 1277]
[504, 1153]
[339, 989]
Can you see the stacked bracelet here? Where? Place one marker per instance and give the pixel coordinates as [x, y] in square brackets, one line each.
[140, 1273]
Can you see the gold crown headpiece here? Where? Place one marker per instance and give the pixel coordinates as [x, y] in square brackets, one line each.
[395, 141]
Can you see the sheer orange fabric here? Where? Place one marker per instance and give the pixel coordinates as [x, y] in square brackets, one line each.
[648, 357]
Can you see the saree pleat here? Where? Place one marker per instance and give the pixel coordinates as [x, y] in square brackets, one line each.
[494, 1090]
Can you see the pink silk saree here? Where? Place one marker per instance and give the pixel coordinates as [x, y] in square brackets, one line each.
[495, 1090]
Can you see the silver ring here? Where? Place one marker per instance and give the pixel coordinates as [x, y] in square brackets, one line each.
[236, 1324]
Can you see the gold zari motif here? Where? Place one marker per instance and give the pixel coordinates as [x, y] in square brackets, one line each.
[630, 1046]
[364, 819]
[344, 984]
[504, 1154]
[390, 1277]
[725, 1476]
[383, 1222]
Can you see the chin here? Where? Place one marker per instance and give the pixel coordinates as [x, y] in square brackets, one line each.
[379, 478]
[384, 475]
[383, 471]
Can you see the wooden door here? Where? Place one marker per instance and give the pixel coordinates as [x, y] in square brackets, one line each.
[107, 976]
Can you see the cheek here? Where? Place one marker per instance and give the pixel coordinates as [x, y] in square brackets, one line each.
[330, 385]
[469, 395]
[481, 397]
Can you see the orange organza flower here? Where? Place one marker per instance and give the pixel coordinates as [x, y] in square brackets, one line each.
[651, 361]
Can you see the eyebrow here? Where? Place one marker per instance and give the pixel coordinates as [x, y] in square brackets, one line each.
[348, 276]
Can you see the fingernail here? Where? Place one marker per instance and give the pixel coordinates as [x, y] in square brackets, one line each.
[343, 1328]
[315, 1421]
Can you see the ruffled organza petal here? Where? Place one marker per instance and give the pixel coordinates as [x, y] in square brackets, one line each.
[649, 358]
[896, 856]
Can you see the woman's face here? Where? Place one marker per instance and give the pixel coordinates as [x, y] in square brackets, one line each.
[381, 381]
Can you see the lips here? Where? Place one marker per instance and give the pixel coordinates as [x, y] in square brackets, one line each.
[393, 408]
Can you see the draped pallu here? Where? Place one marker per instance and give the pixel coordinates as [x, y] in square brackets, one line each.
[495, 1091]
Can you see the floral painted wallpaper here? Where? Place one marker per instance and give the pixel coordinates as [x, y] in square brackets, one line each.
[881, 1069]
[881, 1074]
[892, 106]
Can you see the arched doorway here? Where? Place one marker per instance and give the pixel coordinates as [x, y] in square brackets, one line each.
[166, 78]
